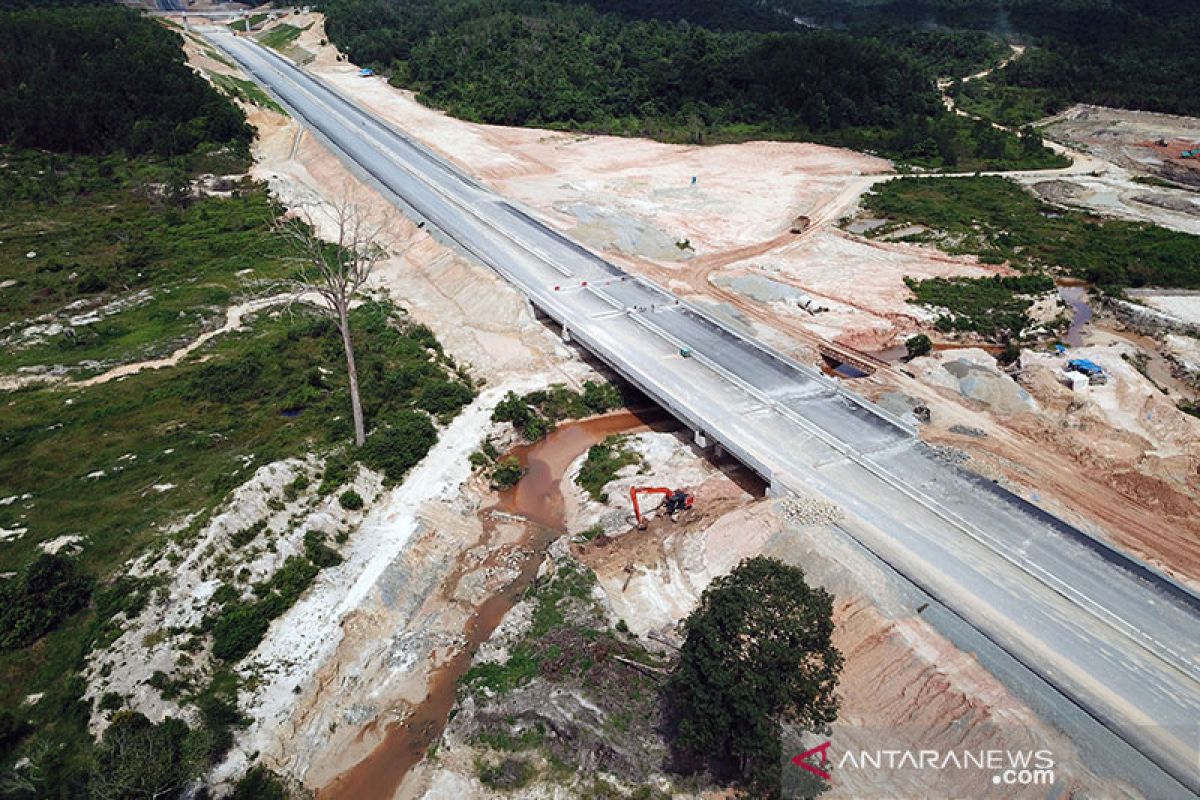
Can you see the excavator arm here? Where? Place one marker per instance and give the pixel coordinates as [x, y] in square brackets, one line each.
[675, 500]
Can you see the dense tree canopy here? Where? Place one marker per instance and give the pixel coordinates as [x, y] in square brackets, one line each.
[568, 65]
[757, 654]
[1141, 54]
[97, 79]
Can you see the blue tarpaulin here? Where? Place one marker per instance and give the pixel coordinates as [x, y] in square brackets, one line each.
[1085, 365]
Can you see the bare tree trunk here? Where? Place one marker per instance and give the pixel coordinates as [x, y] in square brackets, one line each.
[336, 272]
[360, 434]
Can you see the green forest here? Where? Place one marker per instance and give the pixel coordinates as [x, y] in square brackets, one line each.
[570, 66]
[1141, 54]
[101, 78]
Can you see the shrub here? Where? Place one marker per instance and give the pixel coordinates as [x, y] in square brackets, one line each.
[34, 602]
[350, 500]
[339, 470]
[110, 701]
[918, 345]
[507, 473]
[12, 730]
[509, 774]
[601, 397]
[293, 489]
[137, 758]
[246, 535]
[395, 449]
[238, 631]
[260, 783]
[441, 397]
[319, 553]
[512, 409]
[603, 462]
[229, 381]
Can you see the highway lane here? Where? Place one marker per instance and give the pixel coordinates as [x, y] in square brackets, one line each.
[1112, 635]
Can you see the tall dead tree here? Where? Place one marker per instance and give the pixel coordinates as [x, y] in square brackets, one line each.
[335, 270]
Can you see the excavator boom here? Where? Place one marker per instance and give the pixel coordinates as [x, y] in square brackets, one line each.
[675, 500]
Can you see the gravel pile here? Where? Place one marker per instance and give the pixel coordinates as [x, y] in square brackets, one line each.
[809, 511]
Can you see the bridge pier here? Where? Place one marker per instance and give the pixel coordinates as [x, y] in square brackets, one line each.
[566, 334]
[701, 440]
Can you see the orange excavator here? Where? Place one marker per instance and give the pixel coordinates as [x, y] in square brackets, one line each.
[676, 500]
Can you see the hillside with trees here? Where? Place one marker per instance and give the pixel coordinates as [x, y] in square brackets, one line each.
[100, 78]
[1139, 54]
[569, 66]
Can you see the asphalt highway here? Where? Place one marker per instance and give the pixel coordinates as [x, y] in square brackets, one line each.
[1116, 638]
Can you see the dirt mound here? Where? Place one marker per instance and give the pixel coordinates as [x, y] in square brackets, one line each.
[973, 374]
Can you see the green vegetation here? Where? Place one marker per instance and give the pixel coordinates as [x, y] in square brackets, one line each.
[242, 89]
[1160, 183]
[397, 447]
[507, 775]
[993, 307]
[260, 783]
[350, 500]
[1123, 53]
[945, 53]
[39, 597]
[126, 235]
[95, 79]
[507, 473]
[569, 648]
[281, 36]
[536, 413]
[239, 625]
[1013, 106]
[757, 654]
[198, 423]
[640, 71]
[1000, 221]
[132, 261]
[253, 21]
[137, 758]
[918, 345]
[552, 644]
[603, 462]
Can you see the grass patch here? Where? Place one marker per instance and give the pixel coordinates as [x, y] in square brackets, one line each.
[122, 233]
[242, 89]
[999, 221]
[281, 36]
[246, 24]
[992, 307]
[603, 462]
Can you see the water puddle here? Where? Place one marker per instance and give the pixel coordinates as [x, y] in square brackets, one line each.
[538, 499]
[1076, 297]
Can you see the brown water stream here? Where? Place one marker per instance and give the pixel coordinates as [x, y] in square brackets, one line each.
[538, 499]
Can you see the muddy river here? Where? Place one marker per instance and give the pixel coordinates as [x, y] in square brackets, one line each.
[538, 499]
